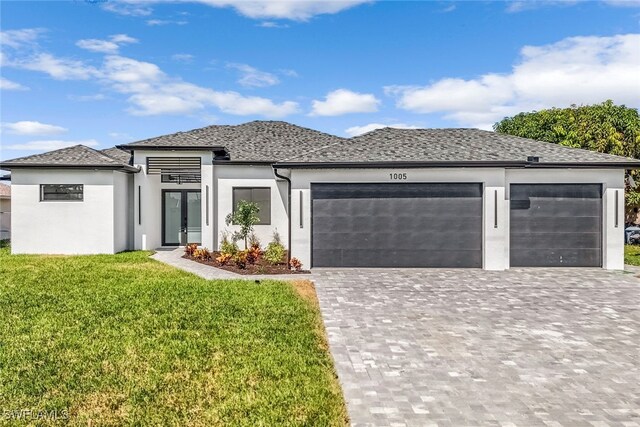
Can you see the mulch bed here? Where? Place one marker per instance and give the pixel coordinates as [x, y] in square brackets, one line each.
[260, 267]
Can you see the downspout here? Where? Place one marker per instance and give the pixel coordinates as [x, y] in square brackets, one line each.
[275, 172]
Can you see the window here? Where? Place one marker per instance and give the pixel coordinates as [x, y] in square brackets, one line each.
[258, 195]
[177, 170]
[69, 192]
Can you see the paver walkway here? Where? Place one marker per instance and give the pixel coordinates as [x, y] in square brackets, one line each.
[522, 347]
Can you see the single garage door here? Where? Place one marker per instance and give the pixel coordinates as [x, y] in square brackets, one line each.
[397, 225]
[554, 225]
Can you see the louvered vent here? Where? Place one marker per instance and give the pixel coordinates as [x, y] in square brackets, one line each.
[175, 169]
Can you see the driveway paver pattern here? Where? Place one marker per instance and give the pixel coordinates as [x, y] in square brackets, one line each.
[524, 347]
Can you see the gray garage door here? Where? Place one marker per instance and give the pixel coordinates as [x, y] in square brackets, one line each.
[397, 225]
[556, 225]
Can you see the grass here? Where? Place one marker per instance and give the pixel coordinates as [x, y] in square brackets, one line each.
[125, 340]
[632, 254]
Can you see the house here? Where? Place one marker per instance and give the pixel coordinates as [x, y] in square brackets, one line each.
[388, 198]
[5, 212]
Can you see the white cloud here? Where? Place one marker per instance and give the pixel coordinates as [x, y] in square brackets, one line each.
[359, 130]
[28, 127]
[182, 57]
[120, 136]
[106, 46]
[152, 92]
[344, 101]
[17, 39]
[288, 72]
[127, 8]
[158, 22]
[252, 77]
[49, 145]
[272, 24]
[84, 98]
[6, 84]
[623, 3]
[295, 10]
[58, 68]
[575, 70]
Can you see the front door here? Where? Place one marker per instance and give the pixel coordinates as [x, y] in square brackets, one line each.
[181, 217]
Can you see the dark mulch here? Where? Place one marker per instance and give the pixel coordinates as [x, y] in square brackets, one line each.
[260, 267]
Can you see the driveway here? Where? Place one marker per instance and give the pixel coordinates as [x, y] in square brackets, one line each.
[470, 347]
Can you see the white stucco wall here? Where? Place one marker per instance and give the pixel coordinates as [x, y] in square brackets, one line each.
[5, 218]
[496, 182]
[148, 230]
[121, 211]
[228, 176]
[63, 227]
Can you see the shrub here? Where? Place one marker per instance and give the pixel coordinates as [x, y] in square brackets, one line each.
[202, 254]
[190, 249]
[253, 254]
[275, 252]
[227, 246]
[240, 259]
[223, 259]
[295, 264]
[254, 242]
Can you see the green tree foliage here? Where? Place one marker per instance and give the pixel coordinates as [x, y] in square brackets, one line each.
[605, 127]
[246, 216]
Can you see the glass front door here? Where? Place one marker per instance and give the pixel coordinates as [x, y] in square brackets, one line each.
[181, 217]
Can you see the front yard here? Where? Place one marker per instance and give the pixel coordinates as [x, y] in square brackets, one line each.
[632, 254]
[123, 339]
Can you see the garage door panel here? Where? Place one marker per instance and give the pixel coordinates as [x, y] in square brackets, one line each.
[556, 225]
[559, 240]
[400, 258]
[557, 258]
[566, 224]
[397, 225]
[555, 207]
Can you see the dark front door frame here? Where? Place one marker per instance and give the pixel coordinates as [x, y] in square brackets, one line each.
[183, 212]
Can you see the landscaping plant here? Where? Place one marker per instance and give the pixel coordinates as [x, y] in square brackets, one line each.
[190, 249]
[227, 246]
[295, 264]
[246, 216]
[275, 251]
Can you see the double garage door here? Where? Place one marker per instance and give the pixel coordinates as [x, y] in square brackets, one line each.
[440, 225]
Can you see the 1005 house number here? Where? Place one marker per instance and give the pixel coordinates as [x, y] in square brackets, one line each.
[398, 176]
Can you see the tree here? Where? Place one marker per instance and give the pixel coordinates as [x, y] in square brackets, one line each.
[246, 216]
[605, 127]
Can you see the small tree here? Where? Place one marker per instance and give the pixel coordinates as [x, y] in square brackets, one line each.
[246, 216]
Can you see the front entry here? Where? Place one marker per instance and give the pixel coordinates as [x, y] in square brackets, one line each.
[181, 217]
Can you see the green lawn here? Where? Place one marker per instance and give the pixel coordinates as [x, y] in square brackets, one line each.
[123, 339]
[632, 254]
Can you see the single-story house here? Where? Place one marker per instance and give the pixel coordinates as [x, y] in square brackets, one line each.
[388, 198]
[5, 212]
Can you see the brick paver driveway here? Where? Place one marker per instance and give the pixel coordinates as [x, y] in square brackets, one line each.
[470, 347]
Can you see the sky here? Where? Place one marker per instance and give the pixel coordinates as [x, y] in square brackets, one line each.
[102, 73]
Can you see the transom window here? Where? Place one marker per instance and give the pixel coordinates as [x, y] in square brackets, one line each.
[68, 192]
[178, 170]
[258, 195]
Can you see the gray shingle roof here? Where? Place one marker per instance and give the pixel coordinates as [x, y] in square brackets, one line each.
[75, 156]
[117, 154]
[253, 141]
[450, 145]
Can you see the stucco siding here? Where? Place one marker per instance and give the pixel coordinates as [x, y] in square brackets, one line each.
[62, 227]
[121, 211]
[5, 218]
[228, 177]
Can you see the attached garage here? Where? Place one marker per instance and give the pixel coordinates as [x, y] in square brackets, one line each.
[397, 225]
[556, 225]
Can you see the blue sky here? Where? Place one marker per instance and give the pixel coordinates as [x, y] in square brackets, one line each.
[104, 73]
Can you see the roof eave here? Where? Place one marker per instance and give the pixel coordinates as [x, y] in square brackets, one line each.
[457, 164]
[127, 168]
[170, 147]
